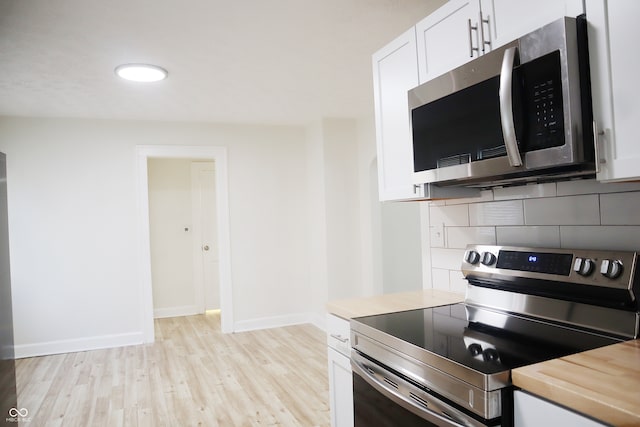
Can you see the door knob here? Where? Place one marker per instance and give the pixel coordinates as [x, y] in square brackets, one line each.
[205, 247]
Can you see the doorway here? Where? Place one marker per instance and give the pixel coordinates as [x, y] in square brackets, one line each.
[218, 155]
[182, 224]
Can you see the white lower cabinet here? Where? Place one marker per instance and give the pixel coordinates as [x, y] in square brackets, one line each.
[340, 376]
[531, 411]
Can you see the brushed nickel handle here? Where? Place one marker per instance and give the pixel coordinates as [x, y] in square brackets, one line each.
[482, 22]
[506, 108]
[205, 247]
[471, 48]
[339, 338]
[597, 133]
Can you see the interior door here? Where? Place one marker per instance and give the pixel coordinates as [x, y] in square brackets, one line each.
[205, 234]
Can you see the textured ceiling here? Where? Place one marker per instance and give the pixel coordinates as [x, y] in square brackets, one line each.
[249, 61]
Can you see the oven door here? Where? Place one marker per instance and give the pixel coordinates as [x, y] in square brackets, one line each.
[386, 399]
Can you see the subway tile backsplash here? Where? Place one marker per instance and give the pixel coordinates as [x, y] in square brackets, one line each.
[581, 214]
[569, 210]
[612, 213]
[460, 237]
[496, 213]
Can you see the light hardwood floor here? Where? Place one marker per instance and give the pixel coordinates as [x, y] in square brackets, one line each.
[193, 375]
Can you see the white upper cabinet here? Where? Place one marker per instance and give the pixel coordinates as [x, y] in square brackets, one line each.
[452, 35]
[448, 38]
[464, 29]
[395, 71]
[506, 20]
[613, 29]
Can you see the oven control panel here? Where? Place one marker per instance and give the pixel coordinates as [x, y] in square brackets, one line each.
[609, 269]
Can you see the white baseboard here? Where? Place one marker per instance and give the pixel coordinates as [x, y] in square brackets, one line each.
[76, 345]
[319, 320]
[185, 310]
[277, 321]
[135, 338]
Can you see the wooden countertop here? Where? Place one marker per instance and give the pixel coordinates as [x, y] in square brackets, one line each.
[603, 383]
[389, 303]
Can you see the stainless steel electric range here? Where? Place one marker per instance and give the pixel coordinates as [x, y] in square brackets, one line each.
[451, 365]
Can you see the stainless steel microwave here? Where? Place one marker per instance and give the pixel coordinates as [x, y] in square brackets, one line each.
[519, 113]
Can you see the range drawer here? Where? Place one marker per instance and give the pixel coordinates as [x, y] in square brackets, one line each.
[338, 334]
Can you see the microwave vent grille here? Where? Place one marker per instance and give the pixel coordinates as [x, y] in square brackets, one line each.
[488, 153]
[459, 159]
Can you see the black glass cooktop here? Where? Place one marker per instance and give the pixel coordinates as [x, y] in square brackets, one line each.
[446, 332]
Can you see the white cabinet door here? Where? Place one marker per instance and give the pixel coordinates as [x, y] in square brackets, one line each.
[506, 20]
[613, 30]
[464, 29]
[448, 38]
[395, 71]
[530, 411]
[340, 389]
[340, 379]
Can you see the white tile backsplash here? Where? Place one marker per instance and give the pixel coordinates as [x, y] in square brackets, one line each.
[460, 237]
[626, 238]
[591, 186]
[449, 259]
[496, 213]
[535, 236]
[440, 279]
[573, 214]
[455, 215]
[570, 210]
[620, 208]
[457, 282]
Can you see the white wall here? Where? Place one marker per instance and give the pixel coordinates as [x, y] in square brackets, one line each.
[401, 247]
[73, 220]
[580, 214]
[340, 236]
[341, 178]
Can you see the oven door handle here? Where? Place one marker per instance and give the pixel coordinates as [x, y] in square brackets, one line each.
[392, 386]
[506, 107]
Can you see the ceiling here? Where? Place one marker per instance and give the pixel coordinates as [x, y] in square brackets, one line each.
[242, 61]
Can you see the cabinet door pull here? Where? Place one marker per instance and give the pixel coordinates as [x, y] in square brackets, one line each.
[487, 41]
[471, 48]
[597, 133]
[339, 338]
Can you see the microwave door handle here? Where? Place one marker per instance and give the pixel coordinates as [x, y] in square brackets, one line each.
[506, 108]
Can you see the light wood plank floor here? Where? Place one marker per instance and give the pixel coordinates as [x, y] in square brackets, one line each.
[193, 375]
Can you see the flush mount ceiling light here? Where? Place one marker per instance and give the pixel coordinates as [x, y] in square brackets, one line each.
[141, 72]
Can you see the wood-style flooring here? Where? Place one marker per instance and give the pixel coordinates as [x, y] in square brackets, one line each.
[193, 375]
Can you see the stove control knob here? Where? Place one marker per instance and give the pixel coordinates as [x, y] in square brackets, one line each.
[472, 257]
[583, 266]
[611, 268]
[488, 258]
[490, 355]
[475, 349]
